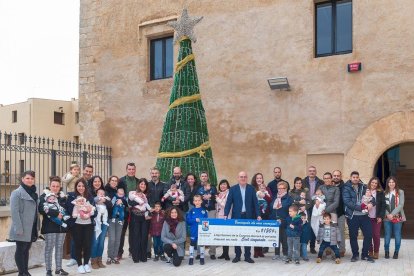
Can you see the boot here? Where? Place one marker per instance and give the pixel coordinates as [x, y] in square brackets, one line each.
[100, 264]
[260, 252]
[376, 254]
[395, 255]
[371, 254]
[94, 263]
[256, 254]
[387, 254]
[225, 254]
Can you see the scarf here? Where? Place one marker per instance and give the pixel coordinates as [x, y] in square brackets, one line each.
[173, 224]
[278, 201]
[31, 191]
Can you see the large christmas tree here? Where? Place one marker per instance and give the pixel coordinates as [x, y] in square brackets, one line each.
[184, 141]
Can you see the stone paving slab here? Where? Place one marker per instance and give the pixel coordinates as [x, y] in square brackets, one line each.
[263, 266]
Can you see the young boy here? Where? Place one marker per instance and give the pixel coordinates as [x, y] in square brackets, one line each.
[193, 218]
[329, 235]
[305, 236]
[293, 233]
[157, 221]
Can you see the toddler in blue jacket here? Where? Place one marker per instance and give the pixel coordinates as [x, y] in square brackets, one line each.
[193, 218]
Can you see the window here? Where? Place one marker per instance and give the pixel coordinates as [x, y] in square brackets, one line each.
[161, 58]
[8, 138]
[7, 171]
[333, 27]
[76, 139]
[76, 117]
[14, 116]
[59, 118]
[21, 138]
[21, 165]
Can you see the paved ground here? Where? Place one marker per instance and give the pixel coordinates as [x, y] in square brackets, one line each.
[263, 266]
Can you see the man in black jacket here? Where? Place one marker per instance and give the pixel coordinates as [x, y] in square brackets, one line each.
[338, 182]
[277, 172]
[312, 182]
[156, 187]
[178, 179]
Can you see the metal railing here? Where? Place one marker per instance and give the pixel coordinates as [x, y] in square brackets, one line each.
[47, 157]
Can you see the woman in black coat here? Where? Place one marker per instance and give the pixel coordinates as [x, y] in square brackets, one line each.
[54, 233]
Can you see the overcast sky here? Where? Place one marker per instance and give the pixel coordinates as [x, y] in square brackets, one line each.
[39, 49]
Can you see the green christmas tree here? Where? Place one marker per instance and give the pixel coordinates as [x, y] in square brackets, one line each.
[185, 141]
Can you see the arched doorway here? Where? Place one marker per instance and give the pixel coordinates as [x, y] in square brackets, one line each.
[382, 137]
[398, 161]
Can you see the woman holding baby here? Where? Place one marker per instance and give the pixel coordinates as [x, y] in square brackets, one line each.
[139, 221]
[81, 206]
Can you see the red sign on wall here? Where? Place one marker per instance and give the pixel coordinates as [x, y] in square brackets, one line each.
[354, 67]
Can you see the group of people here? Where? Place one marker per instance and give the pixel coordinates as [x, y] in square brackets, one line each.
[80, 211]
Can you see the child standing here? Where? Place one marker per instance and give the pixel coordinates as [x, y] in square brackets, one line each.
[329, 235]
[293, 233]
[305, 236]
[118, 211]
[157, 221]
[193, 218]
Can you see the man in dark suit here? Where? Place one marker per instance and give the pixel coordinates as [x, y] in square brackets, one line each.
[312, 182]
[242, 198]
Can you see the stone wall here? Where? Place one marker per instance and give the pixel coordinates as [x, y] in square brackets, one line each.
[241, 44]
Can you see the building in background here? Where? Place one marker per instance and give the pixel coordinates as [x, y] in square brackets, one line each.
[349, 64]
[42, 117]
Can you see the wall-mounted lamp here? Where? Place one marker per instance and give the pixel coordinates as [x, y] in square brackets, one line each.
[279, 83]
[60, 108]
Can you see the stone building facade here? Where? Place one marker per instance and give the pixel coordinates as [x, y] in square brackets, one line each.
[330, 118]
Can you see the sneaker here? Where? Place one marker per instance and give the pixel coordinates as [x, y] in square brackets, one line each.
[163, 258]
[191, 261]
[49, 273]
[113, 220]
[305, 259]
[213, 257]
[156, 258]
[72, 262]
[61, 272]
[288, 261]
[313, 251]
[109, 261]
[368, 258]
[201, 261]
[318, 260]
[81, 269]
[120, 222]
[276, 257]
[148, 255]
[168, 261]
[198, 257]
[297, 262]
[249, 260]
[115, 261]
[87, 268]
[354, 259]
[337, 261]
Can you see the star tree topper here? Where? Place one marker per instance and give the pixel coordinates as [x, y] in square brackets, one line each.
[184, 26]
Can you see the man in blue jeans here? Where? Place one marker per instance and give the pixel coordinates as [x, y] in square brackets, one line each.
[353, 191]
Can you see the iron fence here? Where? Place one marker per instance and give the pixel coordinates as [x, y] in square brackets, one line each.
[47, 157]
